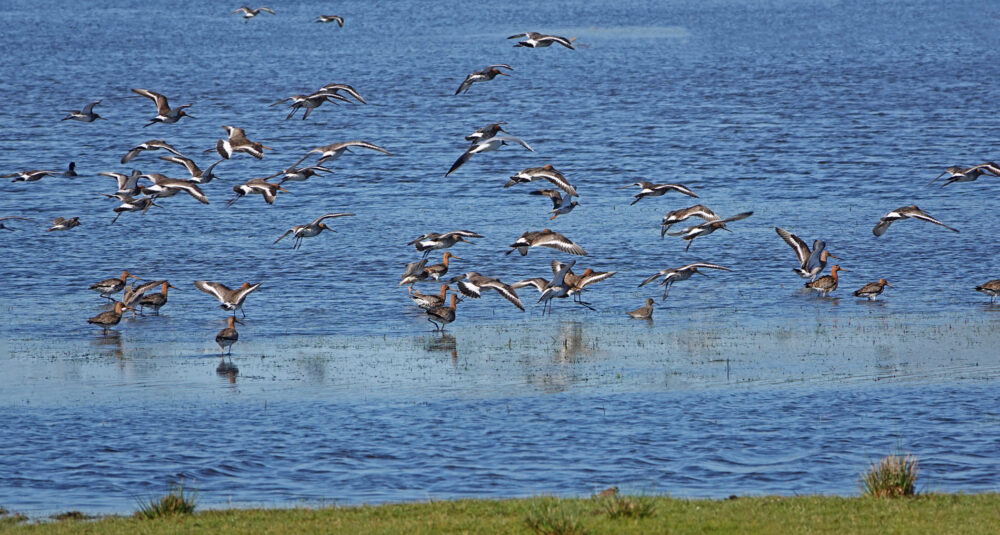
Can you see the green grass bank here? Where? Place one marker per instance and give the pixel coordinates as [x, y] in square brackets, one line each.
[928, 513]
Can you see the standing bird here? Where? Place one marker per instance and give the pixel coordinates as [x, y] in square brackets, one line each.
[156, 301]
[689, 234]
[433, 241]
[8, 218]
[86, 115]
[655, 190]
[905, 212]
[133, 294]
[557, 288]
[541, 40]
[164, 113]
[486, 145]
[442, 315]
[109, 318]
[330, 18]
[237, 142]
[228, 336]
[811, 263]
[301, 232]
[229, 299]
[991, 288]
[698, 210]
[488, 73]
[643, 312]
[62, 223]
[112, 286]
[827, 283]
[545, 238]
[546, 172]
[152, 144]
[257, 186]
[249, 13]
[872, 289]
[683, 273]
[968, 174]
[472, 284]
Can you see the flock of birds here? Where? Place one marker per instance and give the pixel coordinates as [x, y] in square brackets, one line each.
[139, 192]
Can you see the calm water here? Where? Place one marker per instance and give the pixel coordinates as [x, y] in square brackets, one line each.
[818, 116]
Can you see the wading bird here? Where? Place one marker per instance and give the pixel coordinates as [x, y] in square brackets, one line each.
[827, 283]
[643, 312]
[811, 263]
[872, 289]
[109, 318]
[107, 287]
[991, 288]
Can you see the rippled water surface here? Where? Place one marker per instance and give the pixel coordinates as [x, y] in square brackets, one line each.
[818, 116]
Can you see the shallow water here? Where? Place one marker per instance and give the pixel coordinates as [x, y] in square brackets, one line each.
[819, 116]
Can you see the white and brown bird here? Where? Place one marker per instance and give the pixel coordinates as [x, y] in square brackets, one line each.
[301, 232]
[676, 216]
[157, 300]
[545, 238]
[107, 287]
[130, 204]
[486, 132]
[152, 144]
[336, 150]
[257, 186]
[905, 212]
[433, 241]
[991, 288]
[811, 263]
[163, 186]
[649, 189]
[872, 289]
[237, 142]
[472, 284]
[85, 115]
[689, 234]
[671, 275]
[228, 336]
[63, 223]
[127, 184]
[330, 18]
[30, 176]
[546, 172]
[541, 40]
[487, 73]
[249, 13]
[335, 88]
[228, 299]
[9, 218]
[487, 145]
[968, 174]
[426, 301]
[198, 175]
[309, 102]
[442, 315]
[164, 113]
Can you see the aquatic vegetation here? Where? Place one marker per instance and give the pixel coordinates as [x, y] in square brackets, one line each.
[175, 502]
[892, 477]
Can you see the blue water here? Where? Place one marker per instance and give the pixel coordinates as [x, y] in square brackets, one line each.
[818, 116]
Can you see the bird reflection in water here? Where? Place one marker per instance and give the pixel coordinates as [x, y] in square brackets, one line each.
[227, 370]
[445, 342]
[570, 344]
[111, 341]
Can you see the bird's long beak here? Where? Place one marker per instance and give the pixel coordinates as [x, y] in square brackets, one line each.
[266, 147]
[725, 229]
[503, 73]
[842, 269]
[283, 189]
[456, 257]
[831, 255]
[172, 286]
[134, 277]
[126, 306]
[887, 283]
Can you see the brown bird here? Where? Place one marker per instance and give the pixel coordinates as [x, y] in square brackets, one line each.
[229, 299]
[991, 288]
[545, 238]
[62, 223]
[238, 142]
[872, 289]
[442, 315]
[157, 300]
[426, 301]
[109, 318]
[228, 336]
[164, 113]
[827, 283]
[644, 312]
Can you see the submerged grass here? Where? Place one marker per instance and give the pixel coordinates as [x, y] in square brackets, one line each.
[892, 477]
[926, 513]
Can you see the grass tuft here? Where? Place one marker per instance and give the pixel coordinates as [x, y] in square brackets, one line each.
[71, 515]
[892, 477]
[616, 506]
[548, 518]
[175, 502]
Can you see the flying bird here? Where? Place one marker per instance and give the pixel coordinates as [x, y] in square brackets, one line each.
[689, 234]
[152, 144]
[433, 241]
[546, 172]
[655, 190]
[905, 212]
[541, 40]
[86, 115]
[811, 263]
[486, 145]
[259, 187]
[488, 73]
[683, 273]
[300, 232]
[968, 174]
[330, 18]
[237, 142]
[249, 13]
[62, 223]
[164, 113]
[545, 238]
[228, 299]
